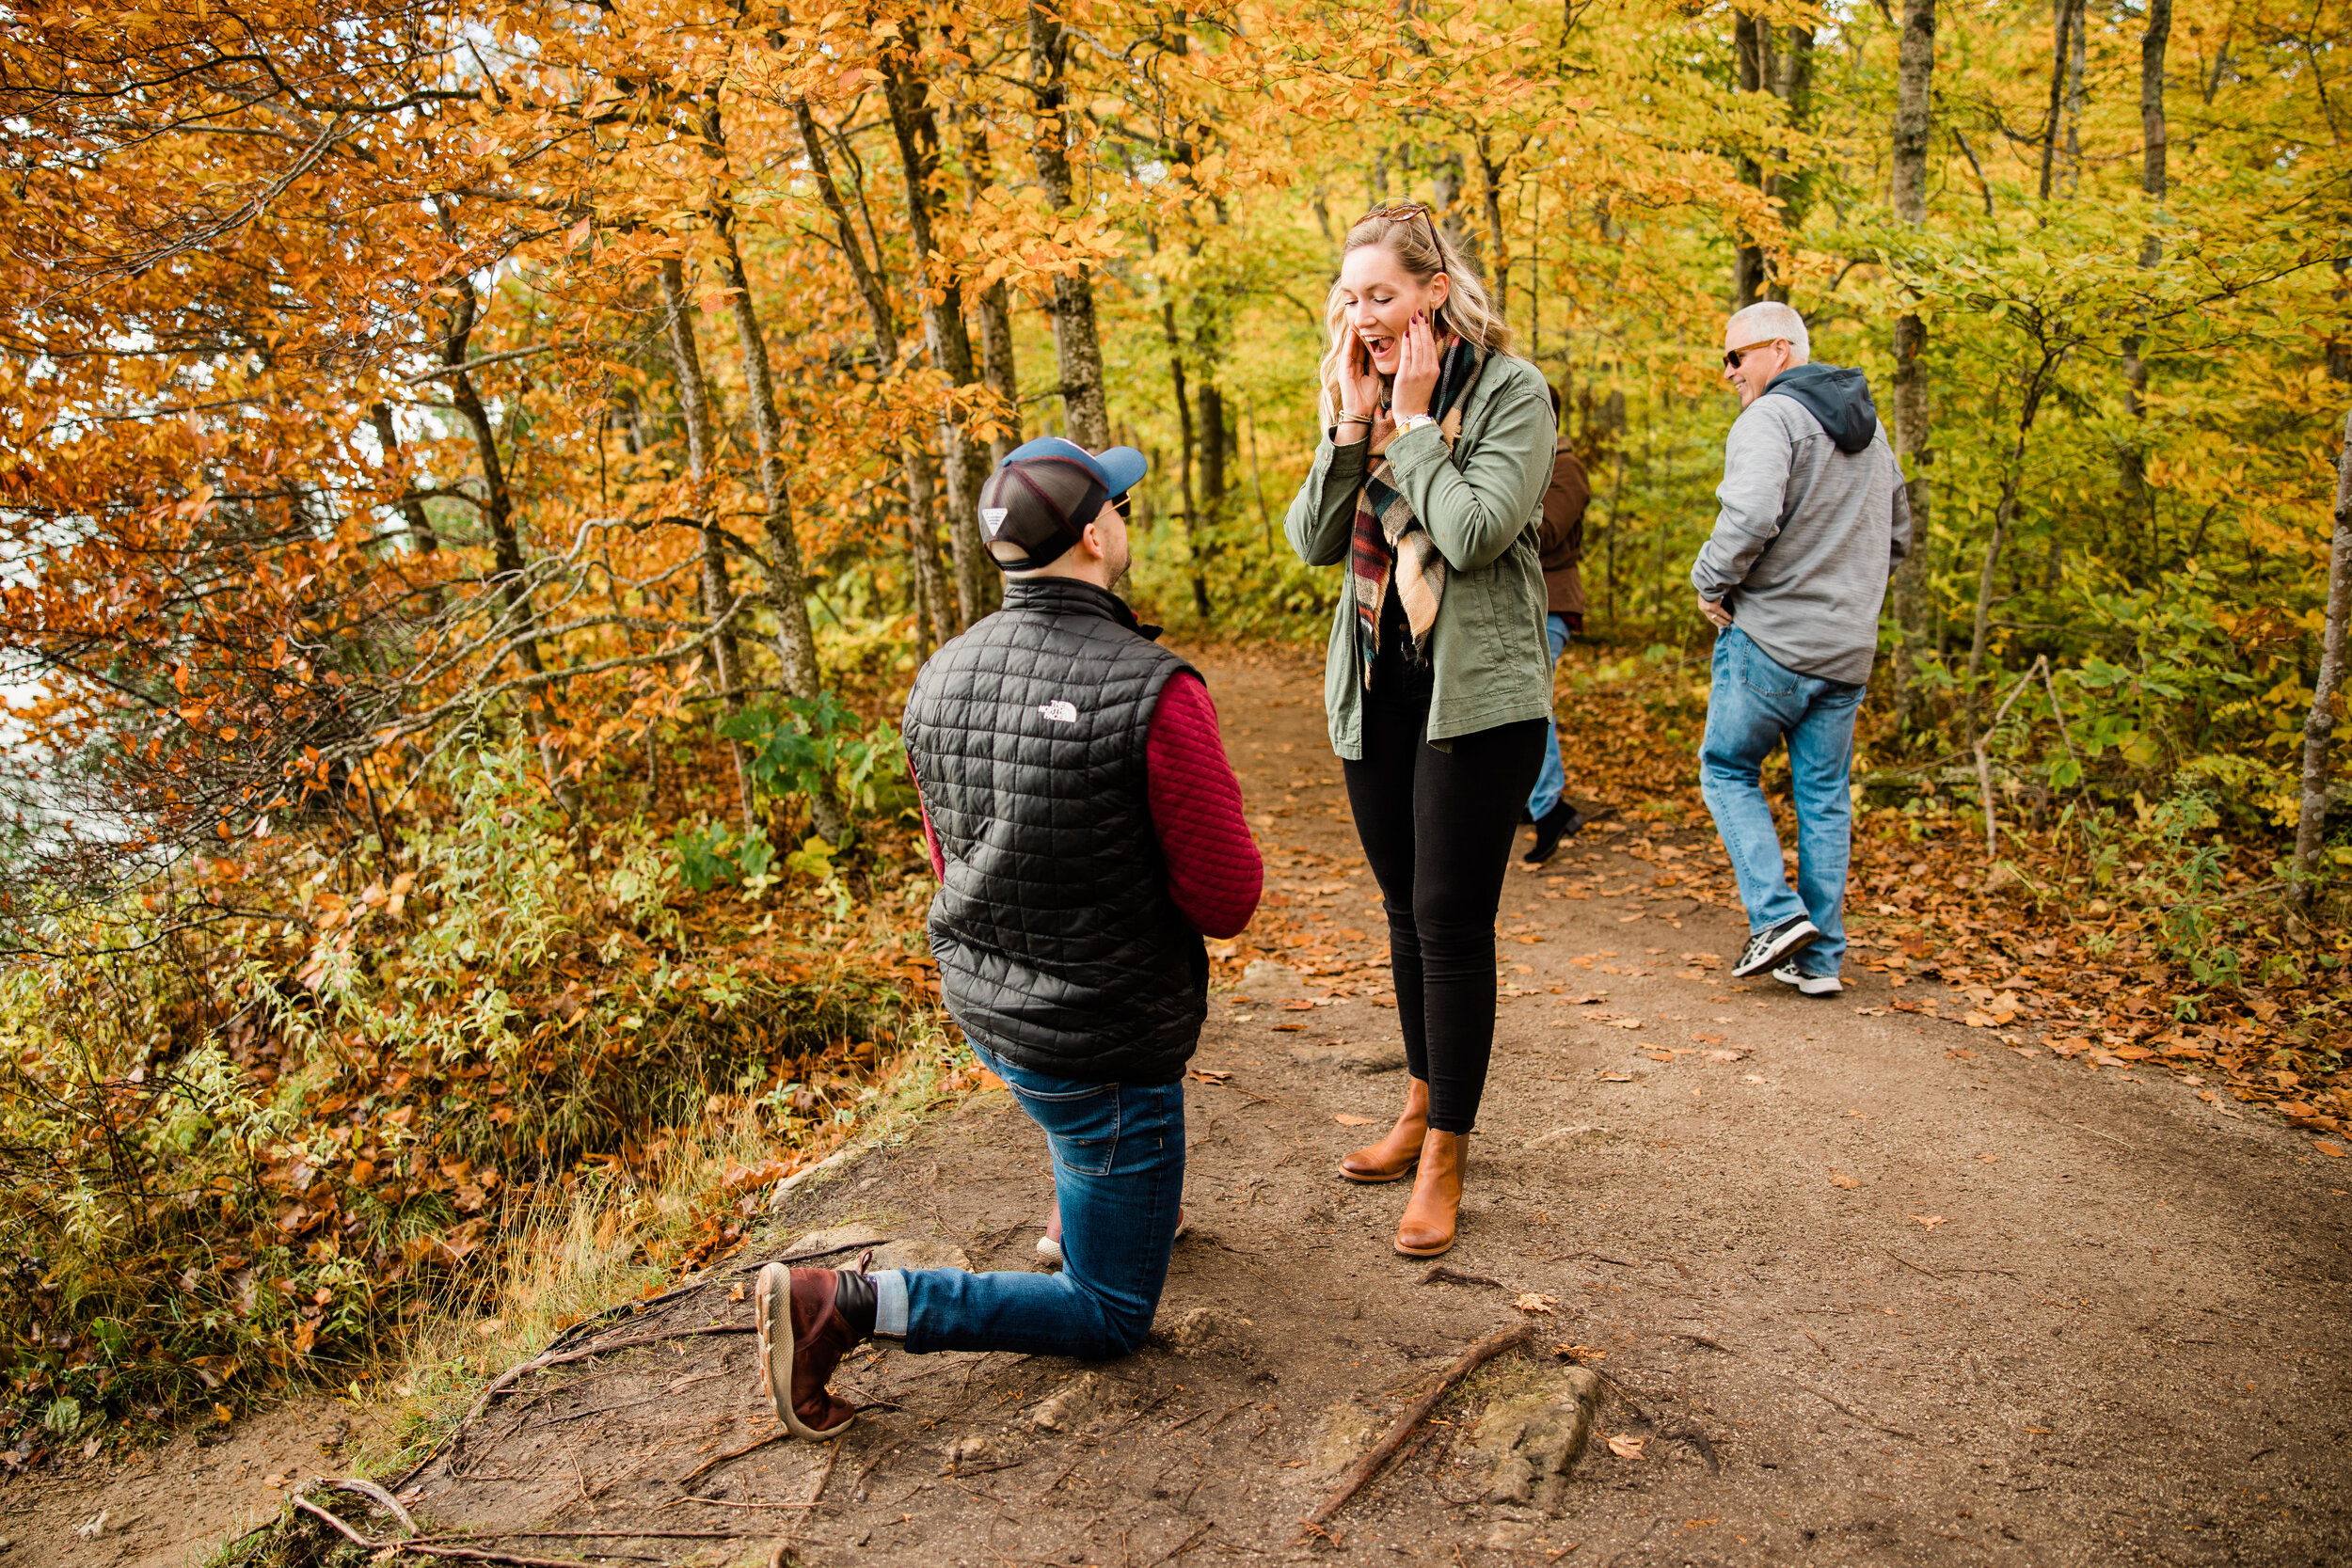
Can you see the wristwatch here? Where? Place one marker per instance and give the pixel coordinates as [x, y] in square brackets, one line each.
[1414, 422]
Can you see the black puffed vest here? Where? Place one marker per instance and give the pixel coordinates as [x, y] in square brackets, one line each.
[1058, 946]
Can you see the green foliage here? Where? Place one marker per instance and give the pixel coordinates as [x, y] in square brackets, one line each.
[807, 747]
[241, 1156]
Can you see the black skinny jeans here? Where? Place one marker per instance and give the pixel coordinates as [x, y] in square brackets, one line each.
[1438, 827]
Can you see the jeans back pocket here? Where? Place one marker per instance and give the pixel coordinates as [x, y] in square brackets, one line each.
[1082, 1129]
[1760, 673]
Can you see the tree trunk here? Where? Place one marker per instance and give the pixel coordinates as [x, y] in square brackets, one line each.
[1498, 270]
[922, 536]
[2004, 516]
[915, 127]
[1077, 344]
[1794, 84]
[994, 306]
[788, 578]
[1913, 128]
[2152, 184]
[2319, 725]
[922, 506]
[1183, 457]
[2068, 17]
[693, 396]
[520, 620]
[1752, 47]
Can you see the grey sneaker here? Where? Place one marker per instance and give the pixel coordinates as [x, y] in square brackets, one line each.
[1808, 985]
[1774, 943]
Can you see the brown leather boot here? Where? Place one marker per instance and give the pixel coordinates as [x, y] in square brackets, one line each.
[1391, 1159]
[1427, 1229]
[802, 1334]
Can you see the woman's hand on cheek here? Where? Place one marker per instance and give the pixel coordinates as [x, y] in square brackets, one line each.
[1359, 383]
[1416, 370]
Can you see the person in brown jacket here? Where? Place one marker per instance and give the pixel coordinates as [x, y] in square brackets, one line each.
[1559, 543]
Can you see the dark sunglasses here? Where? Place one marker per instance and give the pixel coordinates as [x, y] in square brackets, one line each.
[1125, 504]
[1733, 356]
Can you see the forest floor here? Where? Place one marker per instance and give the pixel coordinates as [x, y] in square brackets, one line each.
[1866, 1284]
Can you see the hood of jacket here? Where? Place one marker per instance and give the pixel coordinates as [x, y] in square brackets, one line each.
[1839, 398]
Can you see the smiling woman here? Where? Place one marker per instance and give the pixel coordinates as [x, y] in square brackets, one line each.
[1437, 450]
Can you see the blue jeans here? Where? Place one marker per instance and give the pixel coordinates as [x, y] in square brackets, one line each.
[1755, 703]
[1119, 1174]
[1552, 782]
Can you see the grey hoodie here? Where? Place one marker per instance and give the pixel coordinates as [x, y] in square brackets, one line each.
[1814, 516]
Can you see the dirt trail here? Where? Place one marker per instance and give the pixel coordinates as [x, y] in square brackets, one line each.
[1866, 1286]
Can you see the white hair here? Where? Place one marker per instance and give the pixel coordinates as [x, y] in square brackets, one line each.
[1766, 320]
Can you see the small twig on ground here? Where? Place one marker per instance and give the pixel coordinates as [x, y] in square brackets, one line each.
[806, 1258]
[1382, 1452]
[2095, 1133]
[1908, 1264]
[1707, 1339]
[716, 1459]
[1436, 1272]
[1621, 1262]
[1184, 1545]
[469, 1553]
[1867, 1420]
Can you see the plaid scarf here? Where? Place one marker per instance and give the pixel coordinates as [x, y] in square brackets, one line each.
[1390, 541]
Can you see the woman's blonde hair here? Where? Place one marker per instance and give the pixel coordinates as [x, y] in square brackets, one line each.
[1410, 231]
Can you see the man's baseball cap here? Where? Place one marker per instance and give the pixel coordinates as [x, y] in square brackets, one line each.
[1044, 493]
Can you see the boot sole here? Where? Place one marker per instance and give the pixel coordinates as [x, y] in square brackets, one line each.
[773, 1312]
[1425, 1252]
[1379, 1180]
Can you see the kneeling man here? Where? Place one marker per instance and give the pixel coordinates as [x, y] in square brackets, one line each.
[1086, 829]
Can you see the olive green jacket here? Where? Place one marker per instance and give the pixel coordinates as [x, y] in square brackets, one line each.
[1482, 505]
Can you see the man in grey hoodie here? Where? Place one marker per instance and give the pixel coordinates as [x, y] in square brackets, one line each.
[1814, 516]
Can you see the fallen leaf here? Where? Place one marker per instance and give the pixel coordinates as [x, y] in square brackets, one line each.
[2333, 1151]
[1346, 1120]
[1297, 1006]
[1579, 1352]
[1839, 1179]
[1624, 1024]
[1626, 1447]
[1286, 1028]
[1959, 1055]
[1532, 1304]
[1616, 1077]
[1586, 1000]
[1978, 1021]
[1708, 1039]
[1206, 1075]
[1731, 1055]
[1930, 1221]
[1660, 1055]
[1989, 1158]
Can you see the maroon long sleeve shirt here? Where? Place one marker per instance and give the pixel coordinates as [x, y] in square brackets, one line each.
[1214, 871]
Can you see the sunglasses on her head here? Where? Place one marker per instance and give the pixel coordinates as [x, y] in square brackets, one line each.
[1732, 356]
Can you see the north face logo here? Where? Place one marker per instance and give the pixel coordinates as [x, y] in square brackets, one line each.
[993, 519]
[1058, 711]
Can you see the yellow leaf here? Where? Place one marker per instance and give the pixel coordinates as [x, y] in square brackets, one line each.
[1930, 1221]
[1345, 1120]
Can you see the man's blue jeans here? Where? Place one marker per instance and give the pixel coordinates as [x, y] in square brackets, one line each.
[1552, 782]
[1755, 703]
[1119, 1174]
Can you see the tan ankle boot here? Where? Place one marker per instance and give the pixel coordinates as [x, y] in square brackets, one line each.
[1391, 1159]
[1427, 1229]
